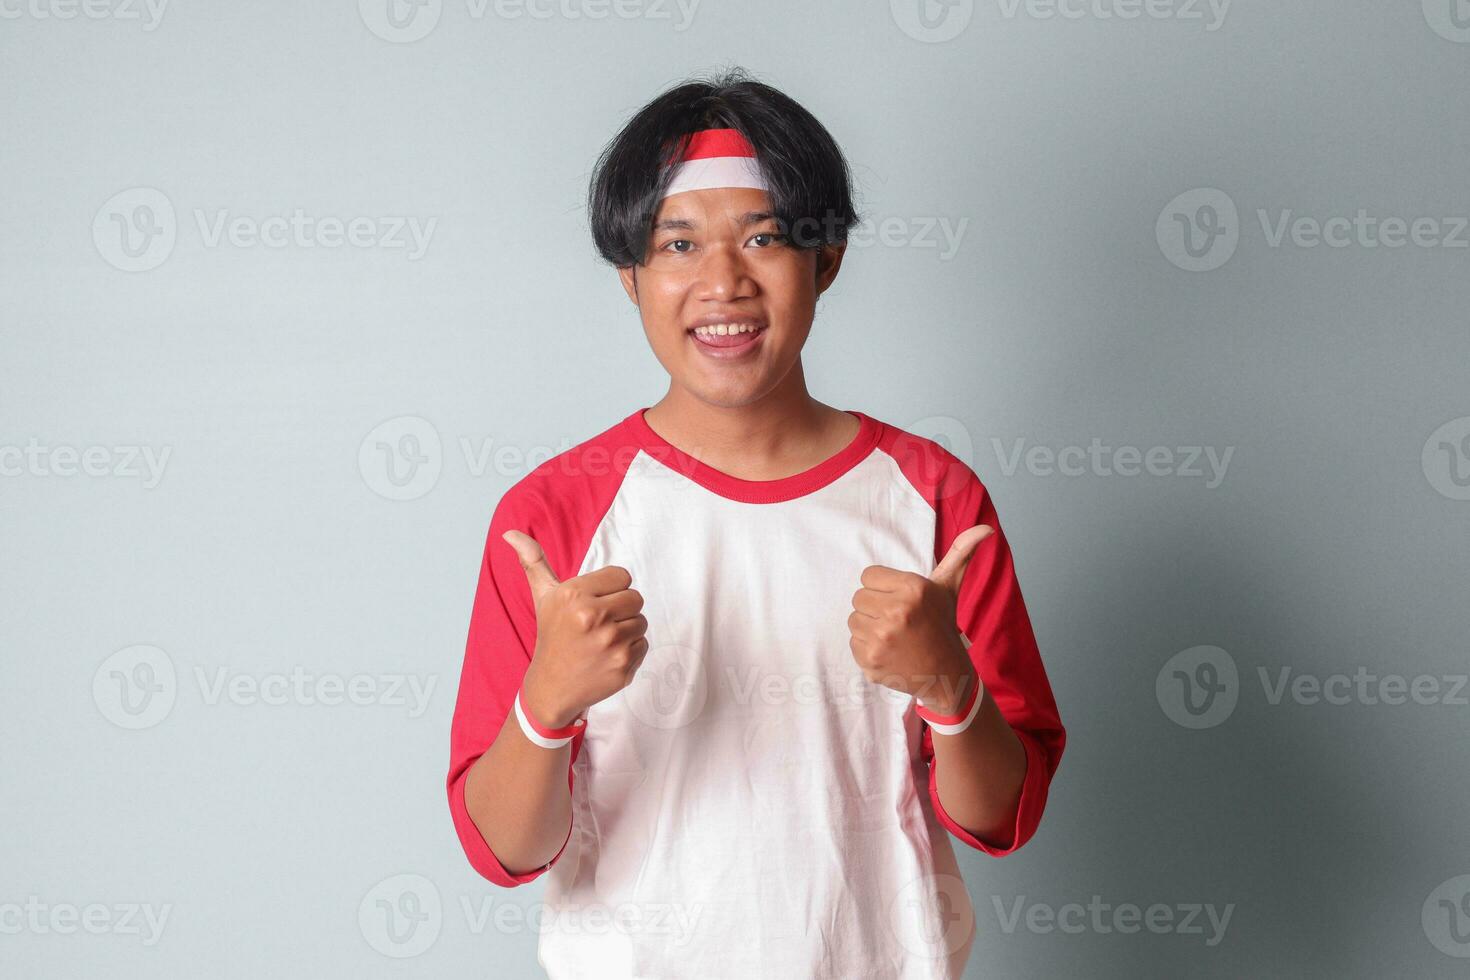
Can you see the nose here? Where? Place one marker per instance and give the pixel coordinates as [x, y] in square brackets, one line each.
[723, 274]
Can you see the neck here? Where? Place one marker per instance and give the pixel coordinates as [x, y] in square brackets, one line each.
[783, 429]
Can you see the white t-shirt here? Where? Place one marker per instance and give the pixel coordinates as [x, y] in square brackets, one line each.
[752, 806]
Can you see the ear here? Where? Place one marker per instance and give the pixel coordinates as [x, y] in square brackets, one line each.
[629, 276]
[829, 260]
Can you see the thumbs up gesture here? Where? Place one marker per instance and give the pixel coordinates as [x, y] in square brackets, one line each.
[903, 627]
[590, 636]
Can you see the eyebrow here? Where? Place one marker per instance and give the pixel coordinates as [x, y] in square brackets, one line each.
[684, 224]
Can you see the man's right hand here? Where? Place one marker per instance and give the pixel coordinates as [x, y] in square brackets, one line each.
[590, 636]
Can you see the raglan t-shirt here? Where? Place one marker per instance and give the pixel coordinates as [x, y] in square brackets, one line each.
[751, 805]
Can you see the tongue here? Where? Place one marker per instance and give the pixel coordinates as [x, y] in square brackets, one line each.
[726, 340]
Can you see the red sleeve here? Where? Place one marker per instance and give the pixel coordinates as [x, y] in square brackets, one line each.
[992, 614]
[502, 637]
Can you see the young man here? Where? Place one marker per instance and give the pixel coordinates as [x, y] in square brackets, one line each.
[741, 664]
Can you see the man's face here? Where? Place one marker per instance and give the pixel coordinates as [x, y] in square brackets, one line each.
[717, 255]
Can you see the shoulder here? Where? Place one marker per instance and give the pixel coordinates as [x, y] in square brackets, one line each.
[938, 473]
[560, 501]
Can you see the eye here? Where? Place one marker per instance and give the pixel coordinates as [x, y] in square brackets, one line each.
[676, 241]
[772, 236]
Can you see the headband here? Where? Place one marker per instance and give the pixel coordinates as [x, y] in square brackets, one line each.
[716, 158]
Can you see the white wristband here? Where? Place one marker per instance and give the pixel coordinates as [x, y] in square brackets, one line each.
[535, 733]
[953, 727]
[958, 727]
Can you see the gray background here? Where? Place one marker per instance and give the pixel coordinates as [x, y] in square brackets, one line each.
[277, 834]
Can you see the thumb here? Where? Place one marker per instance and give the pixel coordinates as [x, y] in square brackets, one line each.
[951, 570]
[533, 560]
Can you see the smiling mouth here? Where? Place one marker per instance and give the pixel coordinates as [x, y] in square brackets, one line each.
[729, 338]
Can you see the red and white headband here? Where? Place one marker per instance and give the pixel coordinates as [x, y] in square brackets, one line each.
[716, 158]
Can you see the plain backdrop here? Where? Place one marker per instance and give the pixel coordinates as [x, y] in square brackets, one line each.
[252, 431]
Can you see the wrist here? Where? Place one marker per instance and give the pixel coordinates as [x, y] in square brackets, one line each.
[955, 693]
[955, 687]
[544, 707]
[958, 692]
[538, 733]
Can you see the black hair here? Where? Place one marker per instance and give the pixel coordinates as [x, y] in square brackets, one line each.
[809, 180]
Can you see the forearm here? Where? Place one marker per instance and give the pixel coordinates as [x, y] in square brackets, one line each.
[979, 773]
[518, 797]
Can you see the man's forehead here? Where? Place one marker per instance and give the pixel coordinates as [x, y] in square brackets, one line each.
[725, 205]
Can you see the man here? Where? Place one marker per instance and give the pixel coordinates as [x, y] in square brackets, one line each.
[741, 664]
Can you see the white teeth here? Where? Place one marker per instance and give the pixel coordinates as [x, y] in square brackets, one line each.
[721, 329]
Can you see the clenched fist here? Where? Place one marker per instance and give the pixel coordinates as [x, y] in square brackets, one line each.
[590, 636]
